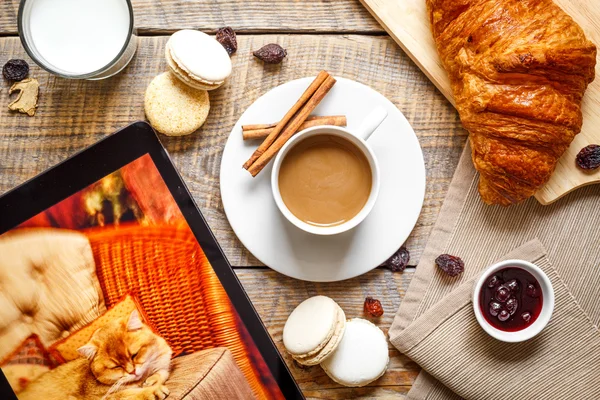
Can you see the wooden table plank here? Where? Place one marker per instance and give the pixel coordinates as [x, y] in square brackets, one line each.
[274, 296]
[249, 16]
[75, 114]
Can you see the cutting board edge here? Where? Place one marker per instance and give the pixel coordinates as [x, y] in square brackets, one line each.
[443, 88]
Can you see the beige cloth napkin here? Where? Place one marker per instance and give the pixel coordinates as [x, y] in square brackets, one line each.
[435, 325]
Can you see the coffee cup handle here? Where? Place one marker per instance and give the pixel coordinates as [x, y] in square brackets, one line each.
[371, 123]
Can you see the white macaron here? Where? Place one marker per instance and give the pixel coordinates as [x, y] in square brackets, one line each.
[197, 59]
[361, 356]
[314, 329]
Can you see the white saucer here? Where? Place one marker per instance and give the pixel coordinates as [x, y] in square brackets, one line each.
[258, 223]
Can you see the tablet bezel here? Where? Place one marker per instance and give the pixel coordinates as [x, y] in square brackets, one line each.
[109, 155]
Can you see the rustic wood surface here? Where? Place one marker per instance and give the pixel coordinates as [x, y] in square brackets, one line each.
[75, 114]
[274, 296]
[249, 16]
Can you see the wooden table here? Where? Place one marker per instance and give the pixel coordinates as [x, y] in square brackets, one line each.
[339, 36]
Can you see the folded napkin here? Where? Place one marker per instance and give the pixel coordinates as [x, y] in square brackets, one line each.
[435, 324]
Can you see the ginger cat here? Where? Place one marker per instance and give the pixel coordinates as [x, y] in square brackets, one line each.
[124, 360]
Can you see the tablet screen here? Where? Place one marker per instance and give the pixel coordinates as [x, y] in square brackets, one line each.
[109, 290]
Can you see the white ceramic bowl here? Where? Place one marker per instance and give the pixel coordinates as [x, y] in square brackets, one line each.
[547, 302]
[361, 144]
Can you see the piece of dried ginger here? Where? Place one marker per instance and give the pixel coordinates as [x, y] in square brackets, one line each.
[26, 101]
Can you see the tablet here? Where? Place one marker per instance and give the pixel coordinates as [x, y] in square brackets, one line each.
[111, 280]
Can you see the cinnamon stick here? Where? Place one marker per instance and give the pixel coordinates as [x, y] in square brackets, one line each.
[260, 133]
[308, 93]
[252, 127]
[292, 127]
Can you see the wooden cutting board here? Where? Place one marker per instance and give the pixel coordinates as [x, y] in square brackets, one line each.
[406, 21]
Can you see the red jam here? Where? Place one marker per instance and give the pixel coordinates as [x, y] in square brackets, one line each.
[511, 299]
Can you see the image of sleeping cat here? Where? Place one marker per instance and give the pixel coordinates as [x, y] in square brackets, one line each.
[123, 360]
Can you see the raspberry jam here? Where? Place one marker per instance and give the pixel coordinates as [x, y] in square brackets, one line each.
[511, 299]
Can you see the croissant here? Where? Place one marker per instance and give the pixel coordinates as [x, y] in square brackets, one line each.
[518, 71]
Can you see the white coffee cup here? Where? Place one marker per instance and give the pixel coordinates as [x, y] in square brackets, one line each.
[359, 138]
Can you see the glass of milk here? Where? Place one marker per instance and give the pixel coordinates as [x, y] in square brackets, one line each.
[78, 39]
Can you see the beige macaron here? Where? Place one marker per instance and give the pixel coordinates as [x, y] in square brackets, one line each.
[197, 59]
[314, 329]
[173, 108]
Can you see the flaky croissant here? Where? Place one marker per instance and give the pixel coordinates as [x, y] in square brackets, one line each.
[518, 70]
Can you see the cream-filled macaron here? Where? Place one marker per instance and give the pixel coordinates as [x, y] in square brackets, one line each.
[311, 327]
[197, 59]
[361, 356]
[330, 346]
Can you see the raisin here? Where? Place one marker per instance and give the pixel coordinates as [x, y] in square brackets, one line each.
[15, 69]
[226, 36]
[271, 53]
[399, 260]
[451, 265]
[373, 307]
[589, 157]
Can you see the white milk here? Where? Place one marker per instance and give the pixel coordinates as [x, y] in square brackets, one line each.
[79, 36]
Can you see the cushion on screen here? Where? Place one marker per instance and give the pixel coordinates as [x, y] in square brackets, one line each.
[66, 349]
[48, 286]
[26, 363]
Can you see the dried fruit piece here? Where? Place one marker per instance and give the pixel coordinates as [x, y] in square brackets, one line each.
[373, 307]
[271, 53]
[226, 36]
[526, 316]
[589, 157]
[15, 69]
[399, 260]
[451, 265]
[26, 101]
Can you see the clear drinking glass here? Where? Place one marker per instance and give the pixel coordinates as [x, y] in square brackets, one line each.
[84, 42]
